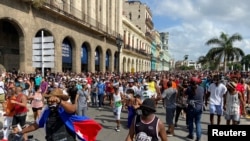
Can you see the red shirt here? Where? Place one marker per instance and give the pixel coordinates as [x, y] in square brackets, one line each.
[240, 88]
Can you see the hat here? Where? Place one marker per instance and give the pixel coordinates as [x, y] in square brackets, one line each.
[84, 81]
[232, 85]
[58, 93]
[131, 80]
[56, 84]
[116, 85]
[148, 104]
[195, 80]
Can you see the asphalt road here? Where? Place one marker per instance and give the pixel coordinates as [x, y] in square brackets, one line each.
[106, 119]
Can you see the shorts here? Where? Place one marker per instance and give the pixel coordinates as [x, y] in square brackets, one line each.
[21, 120]
[117, 112]
[215, 109]
[233, 117]
[36, 109]
[170, 115]
[7, 122]
[2, 98]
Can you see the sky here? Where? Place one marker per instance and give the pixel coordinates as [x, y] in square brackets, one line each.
[191, 23]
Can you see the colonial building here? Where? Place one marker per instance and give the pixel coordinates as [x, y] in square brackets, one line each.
[61, 35]
[166, 57]
[136, 50]
[141, 16]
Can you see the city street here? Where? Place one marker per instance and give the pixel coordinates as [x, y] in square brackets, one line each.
[106, 119]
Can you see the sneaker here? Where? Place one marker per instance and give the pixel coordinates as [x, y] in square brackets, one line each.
[170, 135]
[117, 129]
[190, 137]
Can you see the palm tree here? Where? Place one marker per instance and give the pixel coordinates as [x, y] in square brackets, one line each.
[224, 49]
[246, 61]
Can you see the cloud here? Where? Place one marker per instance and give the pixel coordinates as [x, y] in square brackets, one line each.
[197, 21]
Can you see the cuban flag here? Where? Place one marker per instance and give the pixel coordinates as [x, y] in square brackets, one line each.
[85, 128]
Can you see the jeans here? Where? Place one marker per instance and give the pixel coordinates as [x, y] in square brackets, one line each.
[170, 115]
[178, 111]
[100, 98]
[82, 111]
[94, 99]
[194, 116]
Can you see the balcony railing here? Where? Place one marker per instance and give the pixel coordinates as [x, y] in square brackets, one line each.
[149, 35]
[71, 12]
[139, 51]
[149, 23]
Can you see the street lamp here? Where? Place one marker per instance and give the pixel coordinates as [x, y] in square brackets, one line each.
[119, 42]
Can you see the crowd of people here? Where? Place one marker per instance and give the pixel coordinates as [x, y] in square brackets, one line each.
[185, 93]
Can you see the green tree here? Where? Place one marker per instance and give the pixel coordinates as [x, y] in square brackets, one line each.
[224, 50]
[246, 61]
[204, 61]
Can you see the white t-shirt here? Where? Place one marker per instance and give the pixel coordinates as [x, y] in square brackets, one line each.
[146, 94]
[216, 93]
[1, 87]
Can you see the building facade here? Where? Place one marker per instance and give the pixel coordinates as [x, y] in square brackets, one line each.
[78, 36]
[166, 57]
[136, 49]
[83, 34]
[141, 16]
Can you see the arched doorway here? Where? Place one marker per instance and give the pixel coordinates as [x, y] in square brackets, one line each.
[116, 62]
[108, 60]
[10, 36]
[66, 55]
[84, 58]
[97, 59]
[47, 70]
[124, 65]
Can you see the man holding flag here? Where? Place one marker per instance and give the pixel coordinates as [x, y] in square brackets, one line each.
[60, 121]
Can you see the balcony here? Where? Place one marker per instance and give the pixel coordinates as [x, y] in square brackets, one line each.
[149, 23]
[71, 14]
[149, 36]
[135, 50]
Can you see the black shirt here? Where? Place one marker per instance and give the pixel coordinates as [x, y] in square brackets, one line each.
[146, 131]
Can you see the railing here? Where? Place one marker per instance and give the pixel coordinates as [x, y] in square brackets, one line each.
[76, 14]
[149, 35]
[139, 51]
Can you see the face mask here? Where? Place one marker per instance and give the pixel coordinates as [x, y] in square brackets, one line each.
[146, 112]
[53, 107]
[185, 86]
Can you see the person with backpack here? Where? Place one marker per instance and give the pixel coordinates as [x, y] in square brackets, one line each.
[100, 92]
